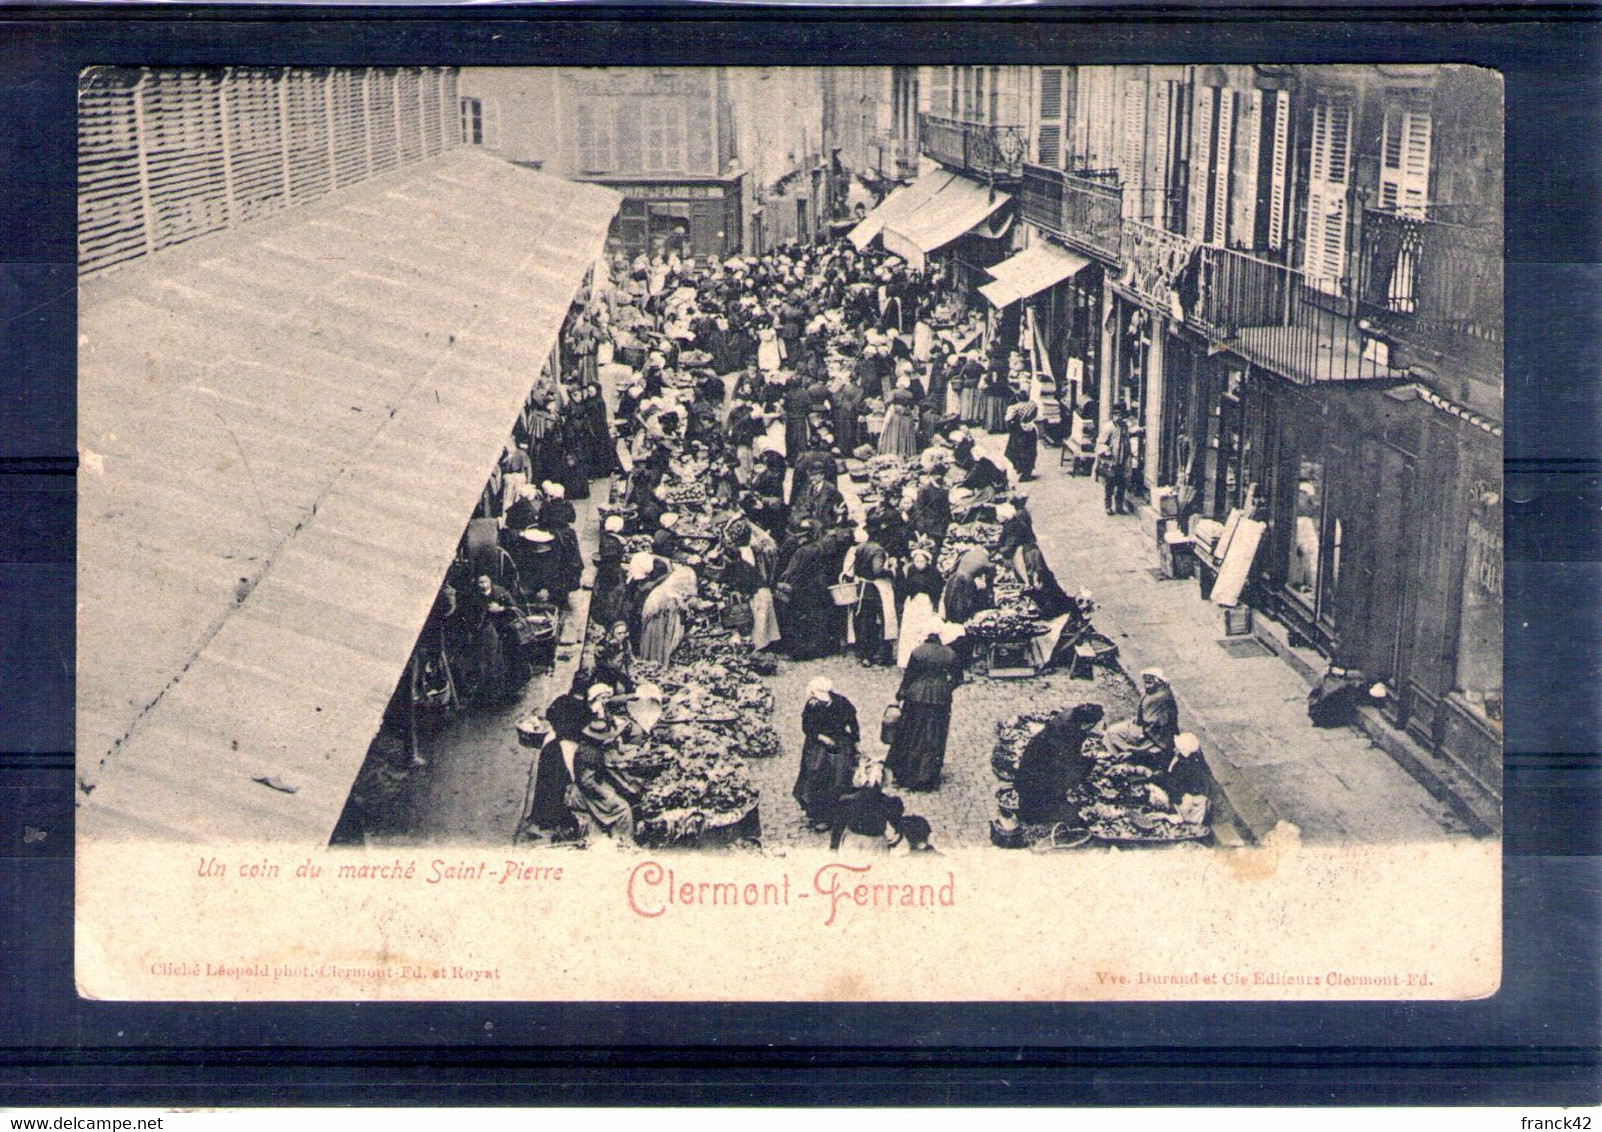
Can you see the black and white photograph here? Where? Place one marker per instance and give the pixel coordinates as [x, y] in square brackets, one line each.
[933, 475]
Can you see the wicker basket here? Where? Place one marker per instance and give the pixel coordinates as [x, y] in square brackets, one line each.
[846, 593]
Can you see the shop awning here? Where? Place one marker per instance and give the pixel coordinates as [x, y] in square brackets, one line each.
[900, 202]
[1031, 271]
[960, 206]
[283, 430]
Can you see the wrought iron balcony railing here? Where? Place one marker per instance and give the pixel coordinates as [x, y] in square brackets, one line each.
[1412, 282]
[1280, 318]
[1431, 282]
[1077, 210]
[974, 147]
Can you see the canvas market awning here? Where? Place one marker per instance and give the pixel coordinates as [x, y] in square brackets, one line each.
[901, 201]
[283, 430]
[1031, 271]
[959, 206]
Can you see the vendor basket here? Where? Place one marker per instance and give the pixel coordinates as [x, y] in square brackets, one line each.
[847, 591]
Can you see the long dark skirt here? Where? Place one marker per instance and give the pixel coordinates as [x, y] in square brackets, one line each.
[825, 774]
[1023, 446]
[872, 648]
[797, 438]
[919, 752]
[810, 628]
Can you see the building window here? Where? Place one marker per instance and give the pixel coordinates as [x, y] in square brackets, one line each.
[593, 137]
[662, 135]
[472, 121]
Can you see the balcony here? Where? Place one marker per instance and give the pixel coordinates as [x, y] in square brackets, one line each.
[1078, 210]
[974, 147]
[1281, 319]
[1433, 283]
[1419, 287]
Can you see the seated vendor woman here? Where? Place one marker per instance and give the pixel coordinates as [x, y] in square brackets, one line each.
[1148, 739]
[1181, 787]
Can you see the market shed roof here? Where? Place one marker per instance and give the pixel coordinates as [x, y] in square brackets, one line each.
[282, 432]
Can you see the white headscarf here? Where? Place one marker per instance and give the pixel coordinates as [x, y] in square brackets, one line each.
[641, 565]
[820, 688]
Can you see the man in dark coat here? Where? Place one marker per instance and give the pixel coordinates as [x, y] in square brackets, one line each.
[919, 751]
[797, 420]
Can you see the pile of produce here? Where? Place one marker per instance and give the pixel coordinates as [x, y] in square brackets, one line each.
[684, 496]
[1012, 736]
[1004, 625]
[1128, 823]
[889, 474]
[963, 537]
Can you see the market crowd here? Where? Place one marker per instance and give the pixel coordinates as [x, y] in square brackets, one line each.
[796, 475]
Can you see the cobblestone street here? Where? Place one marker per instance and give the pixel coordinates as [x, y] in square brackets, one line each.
[961, 809]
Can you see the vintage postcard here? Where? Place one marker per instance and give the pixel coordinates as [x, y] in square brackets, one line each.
[810, 533]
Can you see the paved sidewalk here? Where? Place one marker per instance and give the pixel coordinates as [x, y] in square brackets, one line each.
[1251, 714]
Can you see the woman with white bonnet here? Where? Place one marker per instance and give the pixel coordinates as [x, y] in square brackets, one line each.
[829, 740]
[1181, 788]
[920, 586]
[658, 590]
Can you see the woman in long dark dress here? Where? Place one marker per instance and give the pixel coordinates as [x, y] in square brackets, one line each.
[1023, 438]
[873, 619]
[919, 751]
[830, 735]
[548, 811]
[1052, 765]
[808, 619]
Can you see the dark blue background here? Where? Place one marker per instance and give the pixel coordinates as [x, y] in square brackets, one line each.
[1534, 1042]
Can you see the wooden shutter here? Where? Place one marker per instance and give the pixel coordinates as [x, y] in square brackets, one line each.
[696, 132]
[1328, 180]
[1405, 163]
[1247, 167]
[628, 157]
[1203, 124]
[1132, 148]
[1277, 106]
[1048, 139]
[111, 226]
[1159, 151]
[940, 90]
[1223, 151]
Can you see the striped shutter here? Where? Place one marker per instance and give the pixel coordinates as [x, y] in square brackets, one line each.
[111, 225]
[430, 112]
[408, 97]
[1328, 180]
[1223, 151]
[1405, 164]
[381, 120]
[1203, 123]
[1102, 153]
[1132, 150]
[1277, 106]
[1048, 138]
[181, 122]
[1159, 152]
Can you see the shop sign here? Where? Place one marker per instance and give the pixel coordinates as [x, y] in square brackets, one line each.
[672, 192]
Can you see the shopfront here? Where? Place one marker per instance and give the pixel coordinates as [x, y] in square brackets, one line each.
[687, 218]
